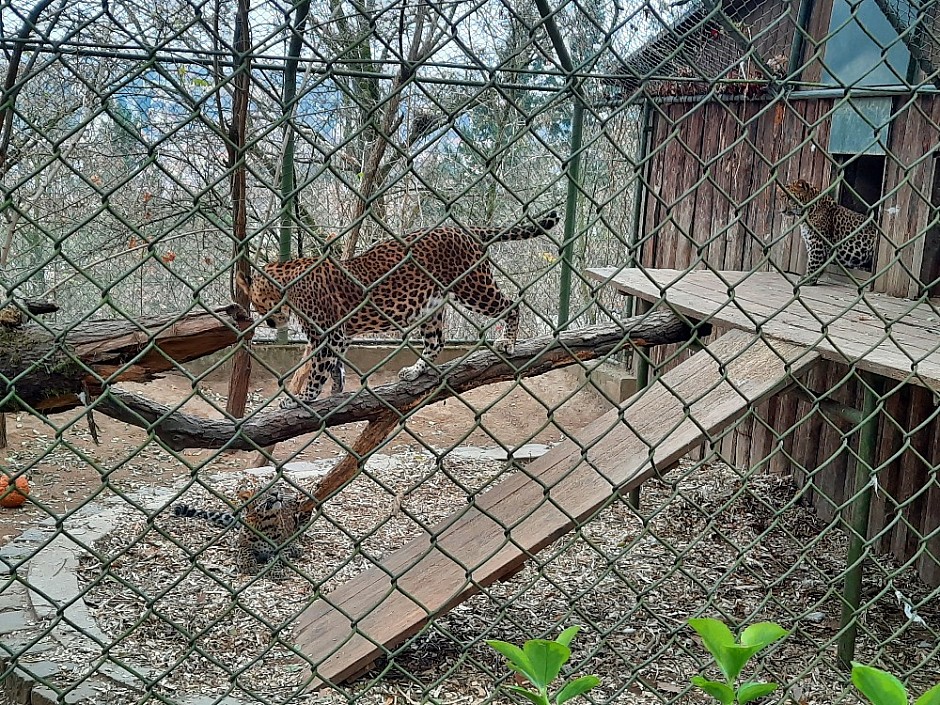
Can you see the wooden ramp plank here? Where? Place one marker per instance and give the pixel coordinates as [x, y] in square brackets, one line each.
[490, 539]
[843, 325]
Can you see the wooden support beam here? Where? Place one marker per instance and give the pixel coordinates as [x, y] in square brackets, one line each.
[370, 439]
[492, 536]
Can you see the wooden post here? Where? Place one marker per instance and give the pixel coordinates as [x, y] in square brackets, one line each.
[370, 439]
[858, 524]
[640, 307]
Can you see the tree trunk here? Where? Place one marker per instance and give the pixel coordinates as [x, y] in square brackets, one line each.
[531, 357]
[49, 370]
[241, 362]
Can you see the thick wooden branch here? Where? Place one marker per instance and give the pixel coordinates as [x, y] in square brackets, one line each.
[48, 369]
[531, 358]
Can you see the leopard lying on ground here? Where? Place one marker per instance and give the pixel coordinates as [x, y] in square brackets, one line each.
[393, 286]
[827, 227]
[269, 519]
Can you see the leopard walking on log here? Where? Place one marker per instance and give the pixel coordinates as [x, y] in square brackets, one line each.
[395, 285]
[829, 228]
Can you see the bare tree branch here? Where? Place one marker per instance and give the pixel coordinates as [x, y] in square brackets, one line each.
[531, 358]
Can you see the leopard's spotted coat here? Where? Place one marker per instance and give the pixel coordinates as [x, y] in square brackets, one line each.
[395, 285]
[269, 519]
[829, 228]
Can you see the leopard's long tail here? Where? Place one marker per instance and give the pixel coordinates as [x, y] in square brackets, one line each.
[518, 232]
[223, 519]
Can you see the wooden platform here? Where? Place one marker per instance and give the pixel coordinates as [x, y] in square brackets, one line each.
[882, 334]
[489, 539]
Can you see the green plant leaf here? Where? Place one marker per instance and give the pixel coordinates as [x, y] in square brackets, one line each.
[719, 691]
[752, 691]
[931, 697]
[546, 659]
[577, 687]
[733, 659]
[516, 656]
[715, 635]
[762, 634]
[566, 636]
[528, 695]
[880, 687]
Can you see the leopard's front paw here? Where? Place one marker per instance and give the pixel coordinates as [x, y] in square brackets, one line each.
[412, 372]
[288, 403]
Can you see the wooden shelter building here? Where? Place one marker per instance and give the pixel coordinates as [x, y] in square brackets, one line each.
[740, 98]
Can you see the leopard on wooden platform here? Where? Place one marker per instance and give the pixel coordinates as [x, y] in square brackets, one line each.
[393, 286]
[269, 519]
[829, 227]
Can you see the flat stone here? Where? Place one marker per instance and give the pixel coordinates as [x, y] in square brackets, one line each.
[132, 679]
[40, 647]
[39, 669]
[14, 621]
[82, 693]
[295, 470]
[21, 644]
[35, 535]
[18, 685]
[530, 451]
[54, 578]
[13, 596]
[16, 551]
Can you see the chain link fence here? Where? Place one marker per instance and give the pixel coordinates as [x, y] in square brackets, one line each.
[721, 402]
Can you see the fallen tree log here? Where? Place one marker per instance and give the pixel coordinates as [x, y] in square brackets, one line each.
[47, 369]
[532, 357]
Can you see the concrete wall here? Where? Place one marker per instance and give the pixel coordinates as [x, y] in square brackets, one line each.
[609, 379]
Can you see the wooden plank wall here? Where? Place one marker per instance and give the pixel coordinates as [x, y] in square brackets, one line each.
[713, 178]
[906, 210]
[814, 46]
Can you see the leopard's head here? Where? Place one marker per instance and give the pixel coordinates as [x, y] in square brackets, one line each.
[266, 296]
[796, 196]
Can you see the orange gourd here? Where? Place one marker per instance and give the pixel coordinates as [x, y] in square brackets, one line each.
[15, 497]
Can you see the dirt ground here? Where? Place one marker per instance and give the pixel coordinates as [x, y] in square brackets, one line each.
[66, 469]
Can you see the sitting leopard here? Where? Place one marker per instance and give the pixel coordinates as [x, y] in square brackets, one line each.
[269, 519]
[390, 287]
[827, 227]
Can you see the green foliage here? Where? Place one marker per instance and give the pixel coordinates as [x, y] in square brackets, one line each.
[732, 655]
[540, 661]
[882, 688]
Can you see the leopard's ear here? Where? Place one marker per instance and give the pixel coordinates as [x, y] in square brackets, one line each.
[802, 183]
[245, 493]
[243, 283]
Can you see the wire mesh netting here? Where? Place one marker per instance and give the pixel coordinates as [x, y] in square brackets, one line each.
[339, 338]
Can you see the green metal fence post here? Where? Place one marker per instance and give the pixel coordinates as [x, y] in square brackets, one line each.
[858, 524]
[289, 95]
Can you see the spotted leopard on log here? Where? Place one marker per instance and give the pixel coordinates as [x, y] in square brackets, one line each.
[829, 230]
[396, 285]
[269, 519]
